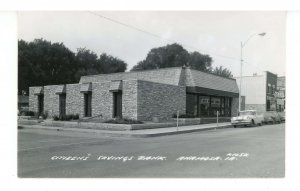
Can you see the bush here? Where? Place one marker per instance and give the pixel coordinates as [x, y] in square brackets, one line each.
[76, 116]
[55, 117]
[123, 121]
[28, 113]
[44, 115]
[65, 117]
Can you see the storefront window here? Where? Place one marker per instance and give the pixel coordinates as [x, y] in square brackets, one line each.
[204, 105]
[227, 107]
[215, 105]
[207, 106]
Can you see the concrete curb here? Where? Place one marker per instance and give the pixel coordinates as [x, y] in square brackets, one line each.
[179, 132]
[124, 133]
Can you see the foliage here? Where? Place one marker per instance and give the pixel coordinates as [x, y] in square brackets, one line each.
[41, 62]
[65, 117]
[28, 113]
[123, 121]
[44, 115]
[174, 55]
[224, 72]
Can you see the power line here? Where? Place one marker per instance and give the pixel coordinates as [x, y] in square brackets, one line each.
[166, 39]
[157, 36]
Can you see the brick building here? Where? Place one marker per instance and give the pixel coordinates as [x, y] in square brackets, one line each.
[280, 94]
[140, 95]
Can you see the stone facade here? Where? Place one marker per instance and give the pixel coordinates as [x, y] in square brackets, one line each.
[74, 100]
[145, 95]
[159, 100]
[129, 99]
[102, 100]
[33, 99]
[165, 76]
[51, 100]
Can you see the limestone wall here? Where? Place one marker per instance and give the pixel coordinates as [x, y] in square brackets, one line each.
[159, 100]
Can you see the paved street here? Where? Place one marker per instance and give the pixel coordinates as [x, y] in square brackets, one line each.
[223, 153]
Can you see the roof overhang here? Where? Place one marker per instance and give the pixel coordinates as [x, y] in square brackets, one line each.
[115, 86]
[200, 90]
[85, 87]
[61, 89]
[38, 90]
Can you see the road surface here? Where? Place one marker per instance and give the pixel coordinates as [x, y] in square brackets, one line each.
[223, 153]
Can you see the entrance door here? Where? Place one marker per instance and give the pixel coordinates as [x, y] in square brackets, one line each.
[88, 104]
[117, 96]
[62, 104]
[40, 104]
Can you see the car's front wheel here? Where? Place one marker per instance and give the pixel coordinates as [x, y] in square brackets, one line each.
[252, 123]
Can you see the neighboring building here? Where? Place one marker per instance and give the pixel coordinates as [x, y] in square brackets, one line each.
[140, 95]
[259, 91]
[280, 96]
[23, 102]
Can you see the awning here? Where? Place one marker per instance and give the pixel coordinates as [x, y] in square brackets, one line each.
[38, 90]
[86, 87]
[208, 91]
[115, 86]
[61, 89]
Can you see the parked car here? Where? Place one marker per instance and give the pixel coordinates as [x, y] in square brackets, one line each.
[282, 116]
[247, 117]
[271, 117]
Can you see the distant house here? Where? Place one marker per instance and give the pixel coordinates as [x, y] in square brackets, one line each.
[259, 91]
[140, 95]
[23, 102]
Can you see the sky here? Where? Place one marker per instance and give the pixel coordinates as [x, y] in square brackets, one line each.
[218, 34]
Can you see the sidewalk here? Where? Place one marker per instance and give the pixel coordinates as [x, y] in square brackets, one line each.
[140, 133]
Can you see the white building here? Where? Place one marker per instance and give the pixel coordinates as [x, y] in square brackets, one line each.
[259, 91]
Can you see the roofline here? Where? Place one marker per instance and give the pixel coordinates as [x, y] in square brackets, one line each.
[147, 70]
[250, 76]
[168, 68]
[212, 74]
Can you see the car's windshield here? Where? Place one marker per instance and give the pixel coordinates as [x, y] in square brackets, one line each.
[247, 113]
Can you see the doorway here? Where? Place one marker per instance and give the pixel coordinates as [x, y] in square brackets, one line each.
[117, 104]
[40, 104]
[62, 104]
[88, 104]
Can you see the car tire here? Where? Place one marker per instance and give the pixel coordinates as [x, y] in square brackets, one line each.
[260, 124]
[234, 126]
[252, 123]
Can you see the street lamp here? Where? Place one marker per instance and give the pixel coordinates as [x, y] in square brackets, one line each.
[243, 44]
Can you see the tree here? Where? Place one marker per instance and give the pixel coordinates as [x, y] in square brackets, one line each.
[110, 64]
[41, 62]
[200, 61]
[174, 55]
[87, 63]
[167, 56]
[224, 72]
